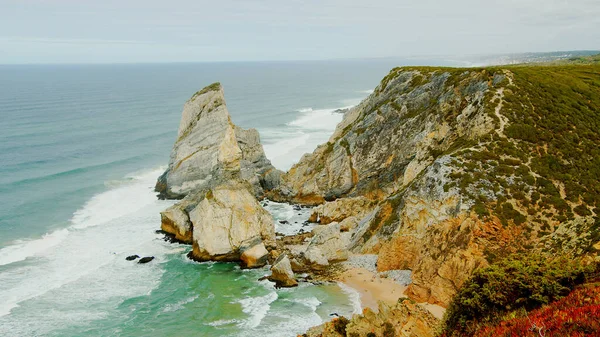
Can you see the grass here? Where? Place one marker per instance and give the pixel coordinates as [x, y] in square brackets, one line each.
[211, 87]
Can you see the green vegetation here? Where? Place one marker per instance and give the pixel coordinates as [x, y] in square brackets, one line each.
[554, 112]
[540, 164]
[212, 87]
[517, 282]
[547, 161]
[340, 324]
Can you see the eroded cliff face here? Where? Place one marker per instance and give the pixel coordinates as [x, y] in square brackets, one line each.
[387, 140]
[405, 318]
[451, 182]
[219, 169]
[210, 149]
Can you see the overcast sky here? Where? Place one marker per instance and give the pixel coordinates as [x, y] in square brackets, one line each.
[106, 31]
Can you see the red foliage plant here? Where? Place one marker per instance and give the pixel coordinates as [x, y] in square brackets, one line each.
[575, 315]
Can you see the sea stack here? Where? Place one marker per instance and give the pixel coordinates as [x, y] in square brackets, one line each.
[219, 170]
[210, 149]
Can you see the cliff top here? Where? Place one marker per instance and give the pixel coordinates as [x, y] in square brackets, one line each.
[211, 87]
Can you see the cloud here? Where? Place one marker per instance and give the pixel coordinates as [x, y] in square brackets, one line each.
[67, 41]
[183, 30]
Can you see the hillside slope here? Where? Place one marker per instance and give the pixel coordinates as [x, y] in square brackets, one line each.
[465, 165]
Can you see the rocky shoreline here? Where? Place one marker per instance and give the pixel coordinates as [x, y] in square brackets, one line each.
[403, 208]
[223, 180]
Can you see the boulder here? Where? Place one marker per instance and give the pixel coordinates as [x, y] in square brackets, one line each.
[328, 243]
[281, 272]
[405, 318]
[254, 254]
[315, 258]
[349, 224]
[340, 209]
[146, 259]
[176, 221]
[227, 217]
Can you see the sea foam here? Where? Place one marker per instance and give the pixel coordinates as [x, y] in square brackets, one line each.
[302, 135]
[256, 308]
[353, 296]
[79, 269]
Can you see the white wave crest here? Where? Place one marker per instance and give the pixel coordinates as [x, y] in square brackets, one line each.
[22, 249]
[256, 308]
[353, 296]
[89, 256]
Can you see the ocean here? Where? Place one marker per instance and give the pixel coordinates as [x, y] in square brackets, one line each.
[81, 147]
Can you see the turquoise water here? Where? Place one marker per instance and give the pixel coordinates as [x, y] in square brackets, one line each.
[80, 150]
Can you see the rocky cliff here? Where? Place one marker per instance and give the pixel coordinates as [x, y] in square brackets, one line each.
[404, 319]
[210, 149]
[439, 171]
[461, 166]
[219, 170]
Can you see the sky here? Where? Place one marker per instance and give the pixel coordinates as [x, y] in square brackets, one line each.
[132, 31]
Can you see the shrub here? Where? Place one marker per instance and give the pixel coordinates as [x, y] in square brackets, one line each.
[519, 281]
[388, 330]
[574, 315]
[340, 325]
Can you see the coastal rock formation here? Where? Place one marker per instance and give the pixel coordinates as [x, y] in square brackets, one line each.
[386, 141]
[254, 254]
[315, 251]
[458, 166]
[328, 243]
[340, 209]
[228, 217]
[405, 318]
[210, 149]
[281, 272]
[175, 220]
[254, 165]
[145, 259]
[219, 170]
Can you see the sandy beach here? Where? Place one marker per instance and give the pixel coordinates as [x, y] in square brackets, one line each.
[373, 288]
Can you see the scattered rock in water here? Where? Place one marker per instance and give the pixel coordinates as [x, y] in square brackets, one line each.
[168, 237]
[281, 272]
[304, 277]
[132, 257]
[146, 259]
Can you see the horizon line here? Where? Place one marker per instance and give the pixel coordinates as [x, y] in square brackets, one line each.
[381, 58]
